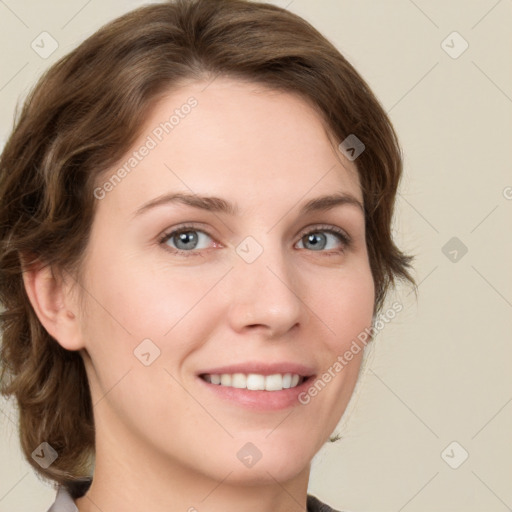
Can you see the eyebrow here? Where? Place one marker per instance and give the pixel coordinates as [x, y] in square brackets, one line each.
[216, 204]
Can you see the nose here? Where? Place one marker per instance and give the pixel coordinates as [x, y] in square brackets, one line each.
[265, 294]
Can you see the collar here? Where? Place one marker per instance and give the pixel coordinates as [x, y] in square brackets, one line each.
[63, 502]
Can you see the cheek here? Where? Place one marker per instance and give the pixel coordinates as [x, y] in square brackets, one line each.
[147, 299]
[344, 305]
[134, 301]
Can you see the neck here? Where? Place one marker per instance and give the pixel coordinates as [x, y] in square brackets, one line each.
[130, 476]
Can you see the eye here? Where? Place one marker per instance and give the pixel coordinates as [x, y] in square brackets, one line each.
[185, 240]
[324, 238]
[190, 241]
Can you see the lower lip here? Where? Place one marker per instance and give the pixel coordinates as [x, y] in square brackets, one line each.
[260, 400]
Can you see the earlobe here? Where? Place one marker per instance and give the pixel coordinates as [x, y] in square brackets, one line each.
[51, 300]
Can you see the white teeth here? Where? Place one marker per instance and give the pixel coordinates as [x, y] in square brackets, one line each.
[225, 379]
[238, 380]
[287, 380]
[255, 381]
[274, 382]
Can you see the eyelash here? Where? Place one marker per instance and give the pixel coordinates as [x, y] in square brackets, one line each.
[345, 239]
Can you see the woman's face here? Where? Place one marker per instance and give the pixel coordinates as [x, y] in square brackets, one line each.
[265, 285]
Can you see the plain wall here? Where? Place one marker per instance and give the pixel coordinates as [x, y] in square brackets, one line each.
[440, 371]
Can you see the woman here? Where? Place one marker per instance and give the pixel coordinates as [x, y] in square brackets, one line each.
[195, 218]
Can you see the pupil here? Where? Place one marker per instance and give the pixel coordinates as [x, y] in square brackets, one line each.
[186, 238]
[313, 239]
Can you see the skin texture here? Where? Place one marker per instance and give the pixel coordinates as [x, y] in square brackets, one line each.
[164, 442]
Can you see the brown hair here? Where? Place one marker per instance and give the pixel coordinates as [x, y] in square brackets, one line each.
[82, 117]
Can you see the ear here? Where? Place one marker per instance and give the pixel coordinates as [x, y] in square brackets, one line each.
[53, 303]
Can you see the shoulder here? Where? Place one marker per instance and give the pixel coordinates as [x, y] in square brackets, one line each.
[315, 505]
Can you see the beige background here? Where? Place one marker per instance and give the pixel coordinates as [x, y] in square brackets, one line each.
[440, 371]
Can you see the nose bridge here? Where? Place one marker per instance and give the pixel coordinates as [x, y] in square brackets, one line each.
[265, 286]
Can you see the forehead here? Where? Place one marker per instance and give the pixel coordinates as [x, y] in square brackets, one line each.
[239, 140]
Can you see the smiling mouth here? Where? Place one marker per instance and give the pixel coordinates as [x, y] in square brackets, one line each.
[255, 381]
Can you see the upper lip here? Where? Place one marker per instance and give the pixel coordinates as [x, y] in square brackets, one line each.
[261, 368]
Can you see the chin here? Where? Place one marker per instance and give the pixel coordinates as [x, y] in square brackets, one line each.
[264, 461]
[267, 473]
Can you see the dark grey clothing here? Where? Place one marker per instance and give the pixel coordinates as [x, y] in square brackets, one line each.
[315, 505]
[64, 503]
